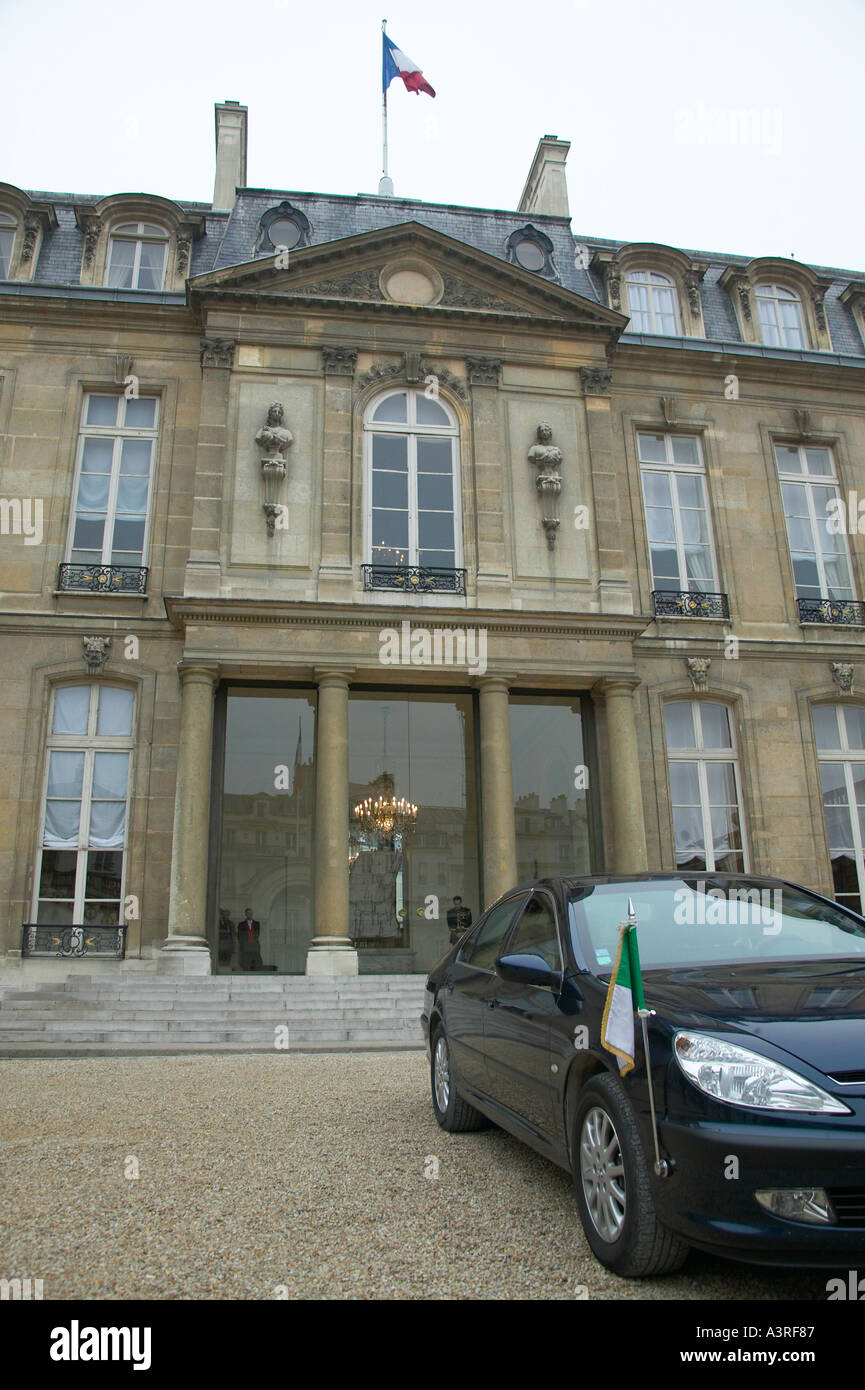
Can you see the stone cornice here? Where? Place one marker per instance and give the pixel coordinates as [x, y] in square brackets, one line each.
[275, 612]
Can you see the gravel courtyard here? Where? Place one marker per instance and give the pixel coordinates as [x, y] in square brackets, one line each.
[292, 1176]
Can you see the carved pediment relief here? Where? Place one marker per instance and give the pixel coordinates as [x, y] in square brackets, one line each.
[415, 268]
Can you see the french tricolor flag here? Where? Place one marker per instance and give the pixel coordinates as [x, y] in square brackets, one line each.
[395, 64]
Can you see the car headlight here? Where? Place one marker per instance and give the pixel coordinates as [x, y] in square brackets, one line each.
[733, 1074]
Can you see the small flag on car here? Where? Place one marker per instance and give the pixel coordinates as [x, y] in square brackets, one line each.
[624, 996]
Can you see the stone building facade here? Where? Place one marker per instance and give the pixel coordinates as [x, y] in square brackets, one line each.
[307, 498]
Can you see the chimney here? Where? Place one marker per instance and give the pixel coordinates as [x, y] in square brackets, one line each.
[546, 189]
[230, 152]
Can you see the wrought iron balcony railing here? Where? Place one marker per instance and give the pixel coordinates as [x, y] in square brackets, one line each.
[72, 942]
[103, 579]
[843, 611]
[414, 579]
[693, 603]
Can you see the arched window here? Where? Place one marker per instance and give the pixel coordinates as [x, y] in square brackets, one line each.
[8, 227]
[839, 731]
[412, 482]
[79, 876]
[780, 314]
[704, 787]
[137, 256]
[652, 303]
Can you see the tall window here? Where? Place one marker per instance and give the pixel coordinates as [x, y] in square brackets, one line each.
[412, 513]
[677, 514]
[652, 303]
[780, 314]
[704, 787]
[821, 561]
[840, 734]
[137, 256]
[115, 464]
[79, 877]
[7, 242]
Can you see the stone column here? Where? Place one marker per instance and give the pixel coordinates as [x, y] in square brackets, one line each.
[203, 565]
[331, 951]
[608, 483]
[626, 792]
[186, 951]
[497, 789]
[493, 577]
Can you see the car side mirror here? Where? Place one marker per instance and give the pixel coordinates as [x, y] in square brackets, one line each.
[527, 969]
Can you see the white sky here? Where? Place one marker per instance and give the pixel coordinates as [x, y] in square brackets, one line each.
[105, 97]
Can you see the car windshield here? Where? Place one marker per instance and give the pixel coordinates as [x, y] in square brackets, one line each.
[706, 919]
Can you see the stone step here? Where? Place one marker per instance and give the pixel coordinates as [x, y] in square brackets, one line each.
[375, 1004]
[101, 1048]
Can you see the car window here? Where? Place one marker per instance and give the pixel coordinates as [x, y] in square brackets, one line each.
[535, 932]
[486, 944]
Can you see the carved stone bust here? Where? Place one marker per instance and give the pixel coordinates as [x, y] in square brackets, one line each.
[547, 461]
[273, 437]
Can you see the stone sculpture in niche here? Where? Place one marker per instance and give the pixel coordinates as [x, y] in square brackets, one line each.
[273, 439]
[546, 460]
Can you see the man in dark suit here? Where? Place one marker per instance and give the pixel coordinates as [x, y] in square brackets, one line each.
[226, 938]
[248, 942]
[459, 920]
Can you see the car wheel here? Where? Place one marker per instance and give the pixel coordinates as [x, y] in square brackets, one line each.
[452, 1112]
[614, 1186]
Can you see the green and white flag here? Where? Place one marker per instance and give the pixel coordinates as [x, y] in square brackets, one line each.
[624, 996]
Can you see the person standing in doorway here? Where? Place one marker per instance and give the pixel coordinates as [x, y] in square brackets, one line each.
[459, 920]
[249, 942]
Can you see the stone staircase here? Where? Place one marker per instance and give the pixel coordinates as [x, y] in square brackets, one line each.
[129, 1015]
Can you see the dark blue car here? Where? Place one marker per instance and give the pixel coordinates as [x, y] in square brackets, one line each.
[757, 1050]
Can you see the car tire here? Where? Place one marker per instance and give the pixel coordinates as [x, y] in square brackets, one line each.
[614, 1192]
[452, 1112]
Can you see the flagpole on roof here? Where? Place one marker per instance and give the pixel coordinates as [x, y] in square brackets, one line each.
[385, 185]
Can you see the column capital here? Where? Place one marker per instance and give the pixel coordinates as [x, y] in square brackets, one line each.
[197, 673]
[498, 680]
[333, 675]
[614, 685]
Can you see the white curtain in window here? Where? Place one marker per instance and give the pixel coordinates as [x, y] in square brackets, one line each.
[71, 706]
[115, 712]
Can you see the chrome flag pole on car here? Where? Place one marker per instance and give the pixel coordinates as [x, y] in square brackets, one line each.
[395, 63]
[624, 999]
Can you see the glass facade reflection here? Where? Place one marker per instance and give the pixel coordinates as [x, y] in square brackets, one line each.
[418, 748]
[264, 909]
[554, 829]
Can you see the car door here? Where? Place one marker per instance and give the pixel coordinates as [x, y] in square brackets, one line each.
[466, 989]
[519, 1019]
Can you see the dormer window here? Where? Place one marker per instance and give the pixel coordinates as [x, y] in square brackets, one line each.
[532, 250]
[137, 256]
[652, 303]
[780, 313]
[8, 227]
[282, 228]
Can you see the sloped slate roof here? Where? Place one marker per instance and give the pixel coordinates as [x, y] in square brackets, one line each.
[230, 239]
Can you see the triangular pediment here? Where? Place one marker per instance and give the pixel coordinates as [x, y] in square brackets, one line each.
[406, 267]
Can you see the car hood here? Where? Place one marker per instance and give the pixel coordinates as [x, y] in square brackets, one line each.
[814, 1010]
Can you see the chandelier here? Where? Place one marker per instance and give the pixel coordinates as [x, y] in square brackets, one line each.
[386, 815]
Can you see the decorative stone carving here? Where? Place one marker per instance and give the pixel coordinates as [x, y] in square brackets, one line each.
[122, 368]
[384, 372]
[668, 405]
[595, 381]
[339, 361]
[692, 285]
[744, 290]
[32, 227]
[274, 439]
[360, 284]
[546, 459]
[412, 366]
[184, 246]
[803, 422]
[458, 294]
[614, 285]
[217, 352]
[381, 371]
[92, 227]
[698, 671]
[842, 675]
[819, 310]
[483, 371]
[96, 651]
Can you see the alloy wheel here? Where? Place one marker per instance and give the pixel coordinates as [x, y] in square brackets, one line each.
[602, 1174]
[442, 1073]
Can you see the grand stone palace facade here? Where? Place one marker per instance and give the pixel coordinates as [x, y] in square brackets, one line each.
[309, 501]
